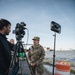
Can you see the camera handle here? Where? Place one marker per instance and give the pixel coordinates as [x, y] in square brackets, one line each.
[21, 59]
[54, 53]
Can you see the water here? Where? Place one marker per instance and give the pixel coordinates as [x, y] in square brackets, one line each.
[62, 55]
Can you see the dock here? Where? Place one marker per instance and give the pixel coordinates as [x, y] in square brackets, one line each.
[50, 63]
[46, 72]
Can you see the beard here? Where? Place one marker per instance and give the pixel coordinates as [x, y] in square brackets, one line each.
[7, 32]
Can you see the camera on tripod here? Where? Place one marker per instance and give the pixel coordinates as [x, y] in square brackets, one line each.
[20, 64]
[19, 30]
[55, 27]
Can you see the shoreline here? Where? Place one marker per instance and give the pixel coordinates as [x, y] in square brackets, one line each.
[49, 62]
[60, 50]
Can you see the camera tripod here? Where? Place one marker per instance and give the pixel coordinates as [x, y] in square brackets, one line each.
[20, 65]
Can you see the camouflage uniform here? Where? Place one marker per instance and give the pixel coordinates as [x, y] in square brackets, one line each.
[36, 55]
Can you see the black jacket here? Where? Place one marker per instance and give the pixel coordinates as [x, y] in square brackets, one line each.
[5, 53]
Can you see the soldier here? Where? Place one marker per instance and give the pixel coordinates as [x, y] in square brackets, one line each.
[36, 56]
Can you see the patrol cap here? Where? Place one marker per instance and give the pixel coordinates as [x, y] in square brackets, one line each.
[36, 38]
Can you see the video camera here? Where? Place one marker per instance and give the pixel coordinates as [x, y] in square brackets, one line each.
[19, 30]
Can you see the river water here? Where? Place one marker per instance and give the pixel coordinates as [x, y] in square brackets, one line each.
[61, 55]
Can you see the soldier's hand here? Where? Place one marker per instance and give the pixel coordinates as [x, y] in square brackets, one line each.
[33, 64]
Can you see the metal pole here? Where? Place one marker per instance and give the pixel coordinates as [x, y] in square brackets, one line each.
[54, 52]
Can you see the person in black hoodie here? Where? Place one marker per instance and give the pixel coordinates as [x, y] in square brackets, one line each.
[5, 47]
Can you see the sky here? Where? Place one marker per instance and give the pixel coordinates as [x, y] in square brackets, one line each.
[38, 14]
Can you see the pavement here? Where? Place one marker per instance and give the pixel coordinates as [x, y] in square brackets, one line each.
[46, 72]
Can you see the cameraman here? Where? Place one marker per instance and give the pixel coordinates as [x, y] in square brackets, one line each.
[5, 47]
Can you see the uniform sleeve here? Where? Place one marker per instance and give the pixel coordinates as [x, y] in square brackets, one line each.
[42, 54]
[29, 57]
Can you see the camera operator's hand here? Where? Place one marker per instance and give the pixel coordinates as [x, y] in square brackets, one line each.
[33, 64]
[11, 41]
